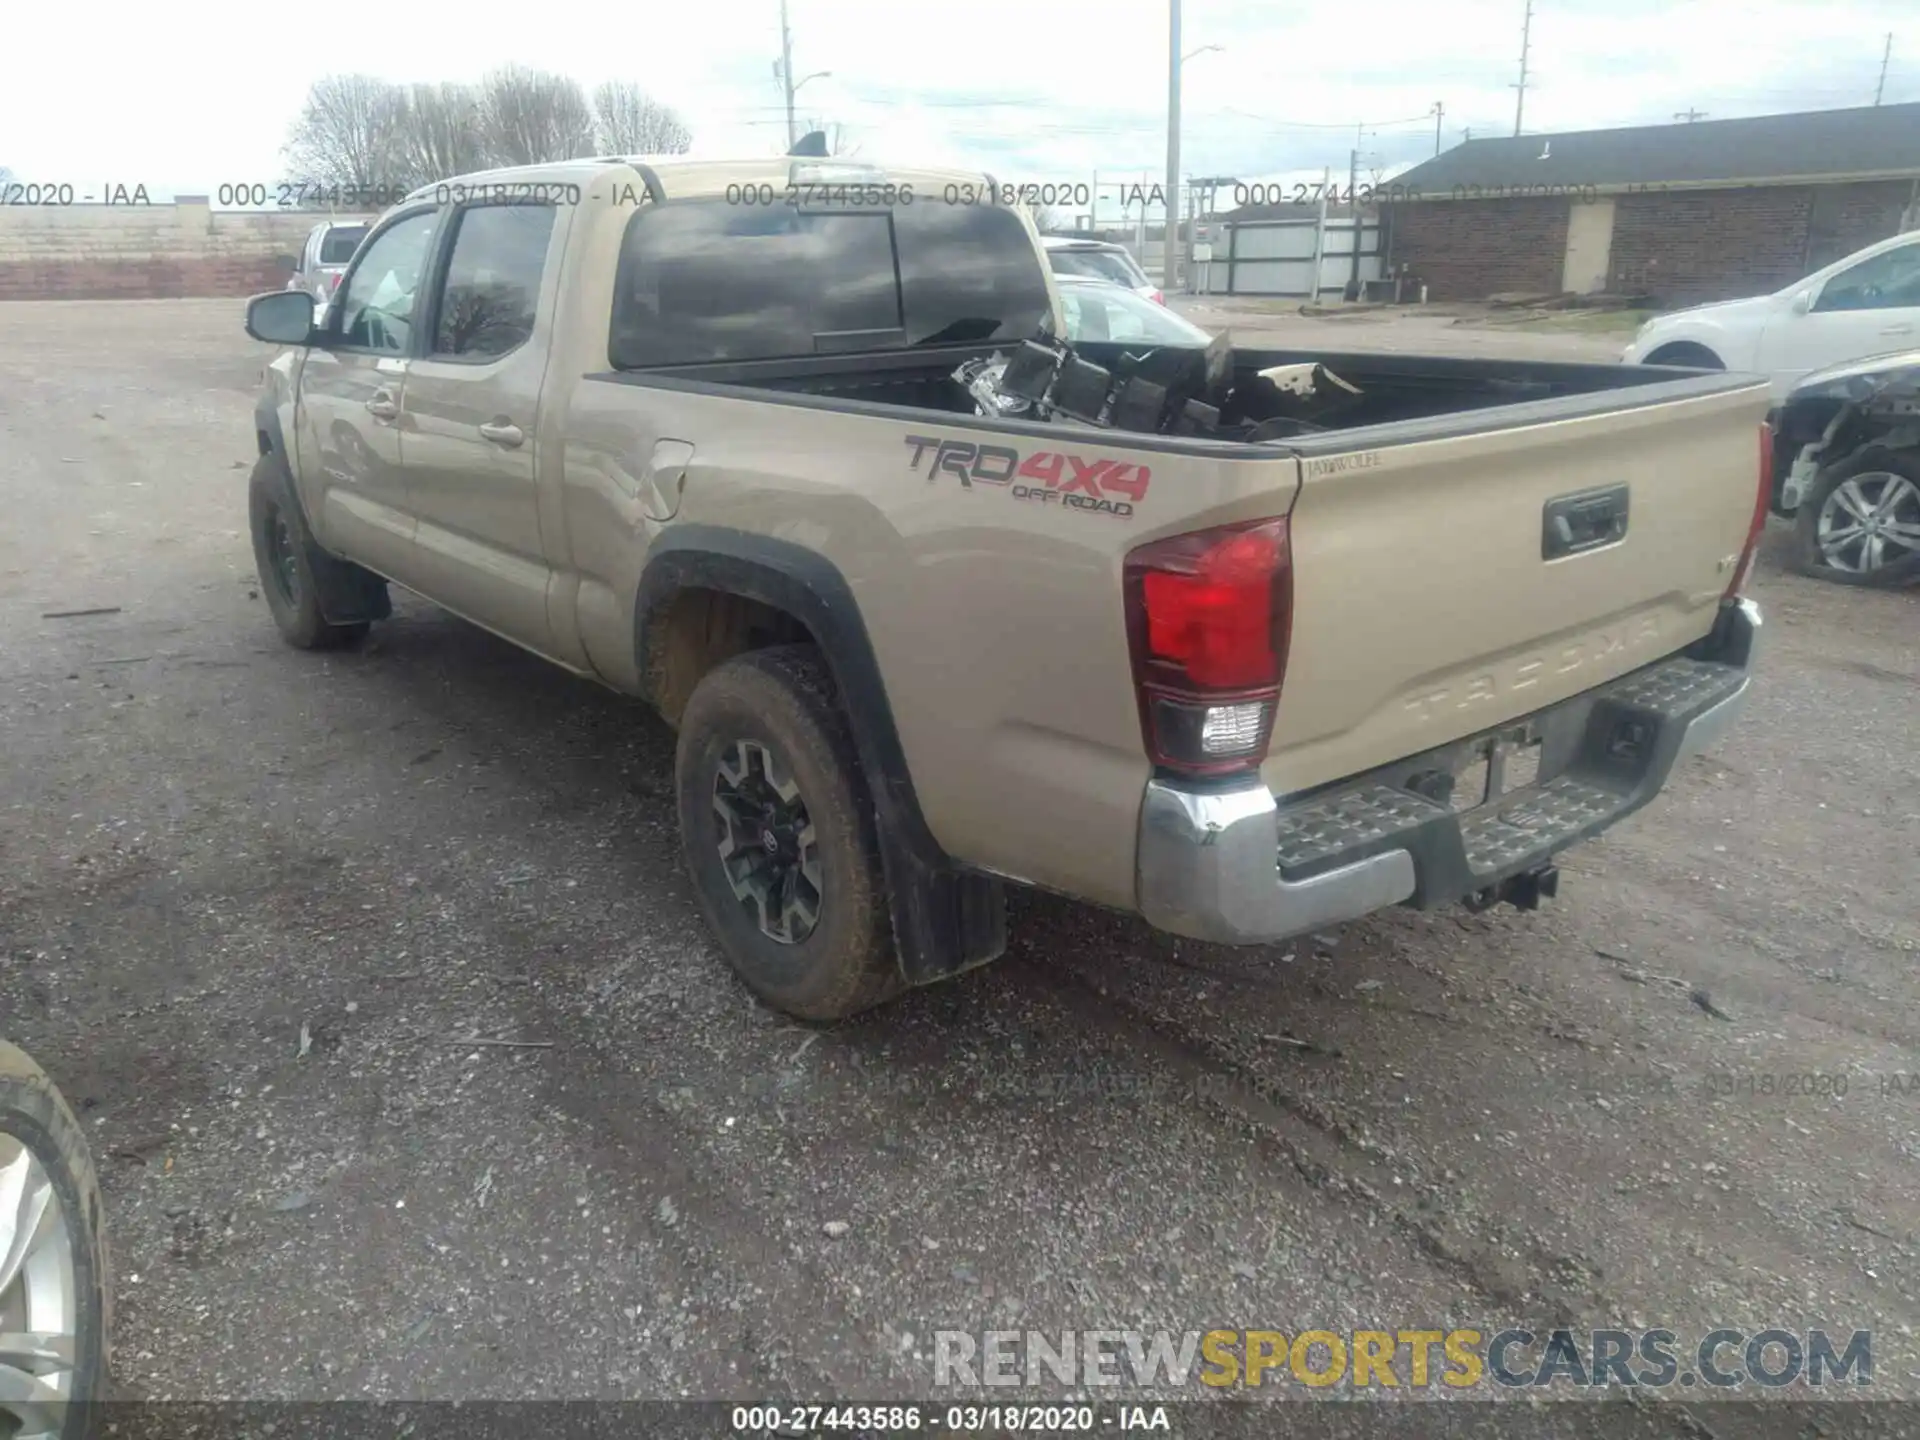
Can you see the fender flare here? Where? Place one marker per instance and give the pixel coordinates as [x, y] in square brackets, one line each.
[946, 918]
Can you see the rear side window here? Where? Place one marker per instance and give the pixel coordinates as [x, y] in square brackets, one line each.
[339, 243]
[1095, 265]
[492, 288]
[702, 280]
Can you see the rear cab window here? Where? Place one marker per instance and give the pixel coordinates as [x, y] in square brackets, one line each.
[701, 280]
[1096, 265]
[339, 243]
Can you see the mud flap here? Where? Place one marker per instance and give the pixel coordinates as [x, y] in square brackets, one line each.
[944, 920]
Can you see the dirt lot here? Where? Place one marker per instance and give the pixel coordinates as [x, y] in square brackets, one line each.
[210, 844]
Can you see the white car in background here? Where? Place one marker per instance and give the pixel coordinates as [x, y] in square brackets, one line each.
[1866, 304]
[1099, 260]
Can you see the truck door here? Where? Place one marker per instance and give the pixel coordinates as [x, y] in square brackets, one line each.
[470, 435]
[348, 429]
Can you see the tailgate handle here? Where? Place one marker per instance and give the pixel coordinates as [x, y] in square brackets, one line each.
[1572, 523]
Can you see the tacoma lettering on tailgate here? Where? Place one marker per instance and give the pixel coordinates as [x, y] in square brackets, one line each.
[1516, 676]
[1049, 477]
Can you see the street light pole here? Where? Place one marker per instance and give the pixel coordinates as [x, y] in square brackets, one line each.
[1169, 265]
[786, 71]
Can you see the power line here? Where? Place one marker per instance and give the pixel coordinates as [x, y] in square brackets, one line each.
[1885, 56]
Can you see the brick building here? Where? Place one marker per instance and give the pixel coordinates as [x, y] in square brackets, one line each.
[1685, 213]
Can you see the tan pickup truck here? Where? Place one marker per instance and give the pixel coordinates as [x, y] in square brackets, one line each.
[1247, 643]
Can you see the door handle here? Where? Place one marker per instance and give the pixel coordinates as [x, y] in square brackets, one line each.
[503, 432]
[382, 407]
[1898, 330]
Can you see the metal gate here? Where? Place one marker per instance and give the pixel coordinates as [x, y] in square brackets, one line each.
[1281, 257]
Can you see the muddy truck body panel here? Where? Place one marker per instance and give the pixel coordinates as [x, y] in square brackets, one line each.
[1239, 683]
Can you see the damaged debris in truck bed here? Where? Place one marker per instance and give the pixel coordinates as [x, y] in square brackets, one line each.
[1168, 390]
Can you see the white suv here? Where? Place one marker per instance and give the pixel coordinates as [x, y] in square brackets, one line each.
[1866, 304]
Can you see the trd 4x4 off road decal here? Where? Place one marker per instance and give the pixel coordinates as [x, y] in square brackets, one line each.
[1050, 477]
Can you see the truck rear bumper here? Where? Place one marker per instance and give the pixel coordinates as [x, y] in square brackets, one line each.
[1239, 866]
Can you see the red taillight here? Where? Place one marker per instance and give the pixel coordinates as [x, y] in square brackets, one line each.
[338, 275]
[1158, 298]
[1208, 619]
[1762, 502]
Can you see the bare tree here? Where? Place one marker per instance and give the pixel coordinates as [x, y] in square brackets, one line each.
[628, 121]
[1046, 218]
[529, 117]
[347, 133]
[441, 134]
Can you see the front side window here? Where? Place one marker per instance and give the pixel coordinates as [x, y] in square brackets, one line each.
[377, 299]
[492, 289]
[701, 280]
[1885, 281]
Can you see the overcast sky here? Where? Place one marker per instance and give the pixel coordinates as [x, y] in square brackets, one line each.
[186, 96]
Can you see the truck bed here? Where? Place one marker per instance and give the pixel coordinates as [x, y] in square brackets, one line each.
[1394, 388]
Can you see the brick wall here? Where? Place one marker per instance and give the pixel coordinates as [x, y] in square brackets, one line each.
[1688, 247]
[1470, 249]
[1682, 247]
[1847, 217]
[90, 252]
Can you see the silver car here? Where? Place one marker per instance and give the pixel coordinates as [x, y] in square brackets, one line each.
[323, 260]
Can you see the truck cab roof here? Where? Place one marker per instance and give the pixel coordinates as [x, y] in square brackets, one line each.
[674, 177]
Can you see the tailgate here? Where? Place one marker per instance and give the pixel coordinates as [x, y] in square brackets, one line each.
[1430, 597]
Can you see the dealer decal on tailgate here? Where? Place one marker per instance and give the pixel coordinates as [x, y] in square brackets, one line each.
[1096, 484]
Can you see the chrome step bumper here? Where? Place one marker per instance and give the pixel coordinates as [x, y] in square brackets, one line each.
[1237, 865]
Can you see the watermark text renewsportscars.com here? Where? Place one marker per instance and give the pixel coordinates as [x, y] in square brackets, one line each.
[1405, 1358]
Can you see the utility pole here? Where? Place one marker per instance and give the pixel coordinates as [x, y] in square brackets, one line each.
[1439, 114]
[1689, 115]
[1526, 34]
[786, 71]
[1353, 212]
[1885, 56]
[1169, 260]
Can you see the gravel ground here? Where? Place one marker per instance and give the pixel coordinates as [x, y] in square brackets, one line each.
[253, 904]
[1435, 330]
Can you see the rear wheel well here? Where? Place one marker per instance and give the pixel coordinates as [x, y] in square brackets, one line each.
[695, 629]
[1686, 352]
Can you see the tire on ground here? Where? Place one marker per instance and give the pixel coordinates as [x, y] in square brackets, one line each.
[294, 600]
[783, 698]
[1807, 558]
[33, 1114]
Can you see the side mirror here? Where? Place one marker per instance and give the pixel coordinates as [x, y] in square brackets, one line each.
[1801, 303]
[284, 317]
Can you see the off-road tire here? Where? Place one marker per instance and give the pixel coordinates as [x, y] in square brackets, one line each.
[1807, 558]
[783, 699]
[33, 1113]
[289, 562]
